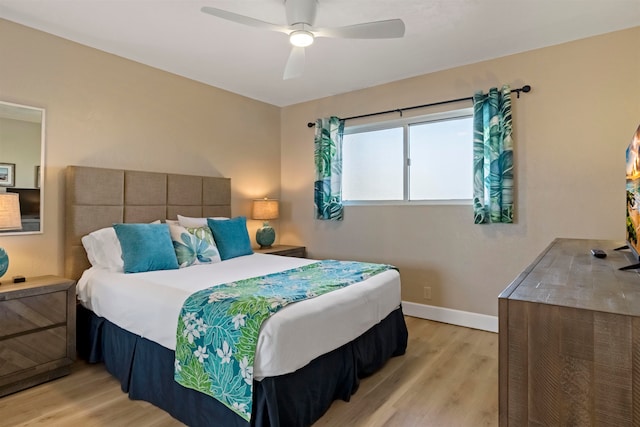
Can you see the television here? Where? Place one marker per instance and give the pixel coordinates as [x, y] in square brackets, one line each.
[633, 199]
[29, 201]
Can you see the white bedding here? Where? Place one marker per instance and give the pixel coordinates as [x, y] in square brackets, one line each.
[148, 304]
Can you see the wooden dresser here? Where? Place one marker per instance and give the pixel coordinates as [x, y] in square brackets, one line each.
[37, 331]
[570, 339]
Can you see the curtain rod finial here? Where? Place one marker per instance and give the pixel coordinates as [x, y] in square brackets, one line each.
[526, 88]
[310, 124]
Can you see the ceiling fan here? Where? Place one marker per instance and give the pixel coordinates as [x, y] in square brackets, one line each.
[301, 15]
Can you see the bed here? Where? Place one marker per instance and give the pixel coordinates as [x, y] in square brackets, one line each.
[296, 374]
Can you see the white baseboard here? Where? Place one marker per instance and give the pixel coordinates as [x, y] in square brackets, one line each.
[449, 315]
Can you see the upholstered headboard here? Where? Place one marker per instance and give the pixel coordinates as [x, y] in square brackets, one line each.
[98, 198]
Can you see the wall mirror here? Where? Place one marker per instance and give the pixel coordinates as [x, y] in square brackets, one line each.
[22, 162]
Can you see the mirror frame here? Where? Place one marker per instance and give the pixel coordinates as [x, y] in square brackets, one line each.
[42, 167]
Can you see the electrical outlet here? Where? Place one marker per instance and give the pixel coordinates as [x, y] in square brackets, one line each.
[427, 292]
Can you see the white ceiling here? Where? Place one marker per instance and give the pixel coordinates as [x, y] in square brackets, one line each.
[173, 35]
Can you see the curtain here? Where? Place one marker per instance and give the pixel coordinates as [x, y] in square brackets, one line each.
[492, 157]
[328, 159]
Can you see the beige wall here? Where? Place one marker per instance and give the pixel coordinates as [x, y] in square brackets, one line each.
[571, 132]
[105, 111]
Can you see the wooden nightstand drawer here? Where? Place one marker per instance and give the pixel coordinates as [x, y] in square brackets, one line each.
[284, 250]
[37, 331]
[28, 313]
[27, 351]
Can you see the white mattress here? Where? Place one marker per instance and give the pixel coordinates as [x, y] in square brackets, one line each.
[148, 305]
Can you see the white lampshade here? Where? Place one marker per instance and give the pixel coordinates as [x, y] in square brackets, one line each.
[265, 209]
[10, 212]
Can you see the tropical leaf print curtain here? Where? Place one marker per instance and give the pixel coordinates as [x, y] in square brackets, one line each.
[492, 157]
[328, 159]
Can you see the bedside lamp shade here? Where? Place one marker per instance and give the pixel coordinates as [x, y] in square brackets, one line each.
[265, 209]
[10, 212]
[9, 220]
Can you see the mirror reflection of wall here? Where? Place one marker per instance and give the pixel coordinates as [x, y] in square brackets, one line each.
[21, 148]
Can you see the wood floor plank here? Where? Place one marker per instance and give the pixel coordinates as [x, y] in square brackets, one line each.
[448, 377]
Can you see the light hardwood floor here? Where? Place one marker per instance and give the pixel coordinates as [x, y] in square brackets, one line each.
[448, 377]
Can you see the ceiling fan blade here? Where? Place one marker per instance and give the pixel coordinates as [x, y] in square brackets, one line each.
[389, 29]
[245, 20]
[295, 64]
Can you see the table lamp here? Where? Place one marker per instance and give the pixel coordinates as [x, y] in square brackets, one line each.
[265, 209]
[9, 220]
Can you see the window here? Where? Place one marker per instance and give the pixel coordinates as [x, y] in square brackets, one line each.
[427, 158]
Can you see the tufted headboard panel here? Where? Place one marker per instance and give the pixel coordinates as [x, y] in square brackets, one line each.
[96, 198]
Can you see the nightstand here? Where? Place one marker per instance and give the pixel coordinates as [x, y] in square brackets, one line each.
[284, 250]
[37, 331]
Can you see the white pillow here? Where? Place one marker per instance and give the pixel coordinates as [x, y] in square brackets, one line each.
[103, 249]
[190, 222]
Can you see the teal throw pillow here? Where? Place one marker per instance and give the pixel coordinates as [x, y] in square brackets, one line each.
[146, 247]
[231, 236]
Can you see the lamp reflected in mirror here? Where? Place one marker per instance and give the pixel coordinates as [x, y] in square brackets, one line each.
[9, 220]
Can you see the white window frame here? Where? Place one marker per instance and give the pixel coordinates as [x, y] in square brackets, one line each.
[405, 123]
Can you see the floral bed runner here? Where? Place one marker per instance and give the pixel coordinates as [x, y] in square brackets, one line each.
[218, 327]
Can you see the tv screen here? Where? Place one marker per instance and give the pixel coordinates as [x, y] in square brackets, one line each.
[29, 201]
[633, 193]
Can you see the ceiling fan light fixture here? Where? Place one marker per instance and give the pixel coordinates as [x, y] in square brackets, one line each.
[301, 16]
[301, 38]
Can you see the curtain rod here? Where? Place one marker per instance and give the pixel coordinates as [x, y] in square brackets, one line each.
[525, 89]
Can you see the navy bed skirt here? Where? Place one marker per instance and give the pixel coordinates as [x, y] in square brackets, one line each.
[145, 371]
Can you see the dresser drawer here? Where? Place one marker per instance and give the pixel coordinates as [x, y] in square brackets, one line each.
[29, 313]
[31, 350]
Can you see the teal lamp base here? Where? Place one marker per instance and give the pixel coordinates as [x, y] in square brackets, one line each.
[4, 262]
[266, 235]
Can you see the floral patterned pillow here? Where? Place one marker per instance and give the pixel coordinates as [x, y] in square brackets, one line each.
[193, 245]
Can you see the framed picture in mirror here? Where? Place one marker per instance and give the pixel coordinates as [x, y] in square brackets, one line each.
[7, 174]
